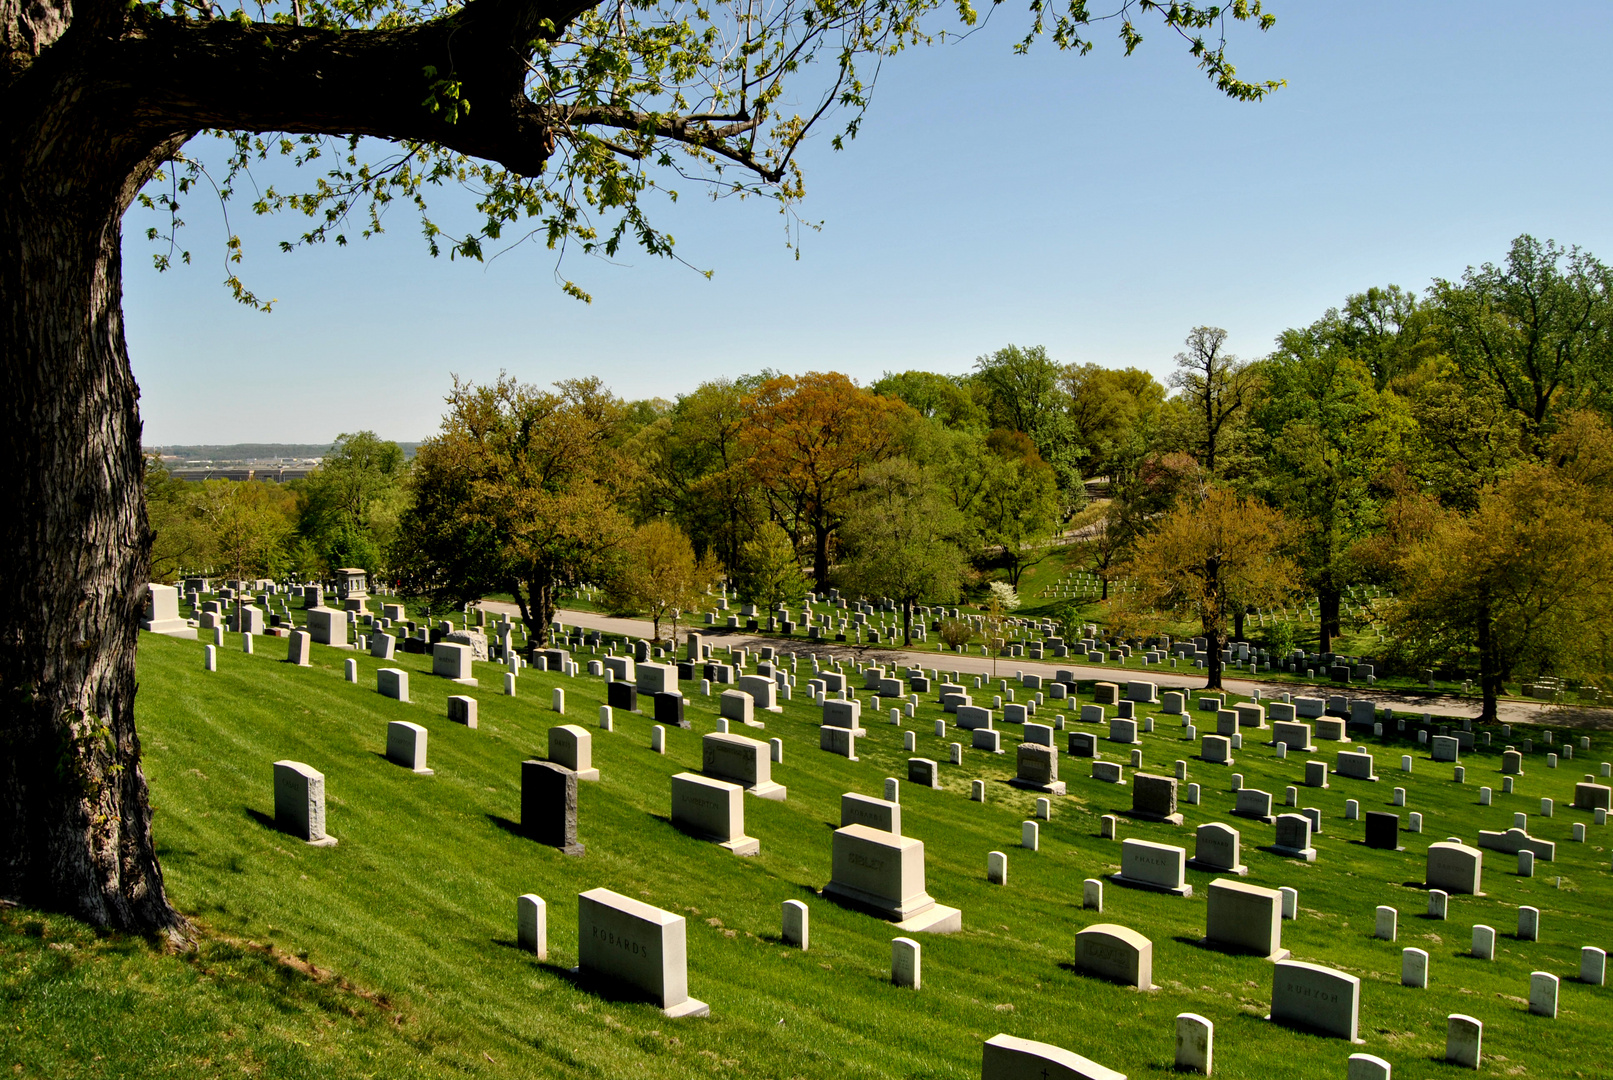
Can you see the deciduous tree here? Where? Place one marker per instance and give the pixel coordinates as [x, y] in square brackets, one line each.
[657, 573]
[1216, 386]
[1326, 433]
[518, 493]
[1524, 580]
[1212, 551]
[348, 507]
[811, 437]
[903, 537]
[1534, 333]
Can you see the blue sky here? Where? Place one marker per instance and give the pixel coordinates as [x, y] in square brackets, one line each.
[1101, 206]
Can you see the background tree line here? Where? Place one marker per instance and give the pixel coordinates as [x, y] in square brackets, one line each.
[1450, 446]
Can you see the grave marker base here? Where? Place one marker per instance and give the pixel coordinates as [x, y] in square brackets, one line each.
[689, 1007]
[1143, 815]
[1241, 870]
[1057, 787]
[1222, 946]
[940, 919]
[1308, 854]
[1133, 883]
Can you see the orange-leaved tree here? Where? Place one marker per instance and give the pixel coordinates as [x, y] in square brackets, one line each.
[812, 436]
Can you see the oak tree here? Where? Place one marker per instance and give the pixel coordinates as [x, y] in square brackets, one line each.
[811, 437]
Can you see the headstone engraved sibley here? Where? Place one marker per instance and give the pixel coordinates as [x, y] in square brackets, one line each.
[882, 873]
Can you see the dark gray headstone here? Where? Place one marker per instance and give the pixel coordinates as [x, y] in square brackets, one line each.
[621, 696]
[549, 805]
[669, 709]
[1383, 830]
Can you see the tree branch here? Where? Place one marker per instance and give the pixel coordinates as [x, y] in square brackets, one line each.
[162, 77]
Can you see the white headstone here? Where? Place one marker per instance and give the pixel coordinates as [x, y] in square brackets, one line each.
[1464, 1041]
[1195, 1044]
[532, 925]
[1414, 968]
[797, 926]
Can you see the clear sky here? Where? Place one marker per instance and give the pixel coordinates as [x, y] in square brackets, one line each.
[1101, 206]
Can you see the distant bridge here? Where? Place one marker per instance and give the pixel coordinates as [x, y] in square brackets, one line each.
[276, 474]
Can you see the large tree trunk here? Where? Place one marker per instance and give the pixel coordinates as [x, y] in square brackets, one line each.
[820, 555]
[542, 593]
[1328, 623]
[1214, 625]
[75, 820]
[1490, 686]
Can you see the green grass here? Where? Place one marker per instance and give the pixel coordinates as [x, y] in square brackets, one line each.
[413, 911]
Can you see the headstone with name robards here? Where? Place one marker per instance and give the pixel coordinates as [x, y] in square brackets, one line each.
[632, 944]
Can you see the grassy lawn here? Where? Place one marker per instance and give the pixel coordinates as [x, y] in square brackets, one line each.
[392, 954]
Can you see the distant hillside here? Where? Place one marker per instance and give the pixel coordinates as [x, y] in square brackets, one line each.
[249, 452]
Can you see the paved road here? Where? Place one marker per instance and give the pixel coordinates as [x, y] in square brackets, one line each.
[1511, 712]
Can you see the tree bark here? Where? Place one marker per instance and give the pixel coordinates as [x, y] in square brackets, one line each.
[542, 593]
[1328, 621]
[75, 819]
[820, 553]
[1489, 666]
[1214, 622]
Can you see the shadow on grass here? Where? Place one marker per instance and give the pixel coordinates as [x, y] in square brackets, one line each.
[511, 827]
[266, 820]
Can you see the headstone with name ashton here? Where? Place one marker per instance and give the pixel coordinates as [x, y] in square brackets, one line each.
[740, 760]
[713, 810]
[881, 814]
